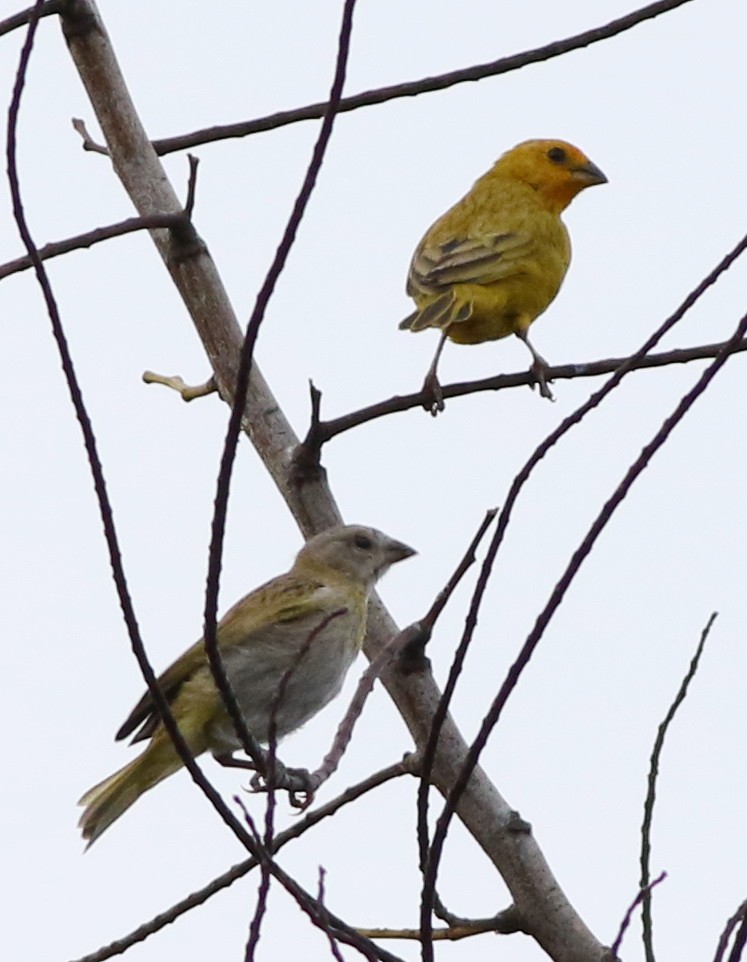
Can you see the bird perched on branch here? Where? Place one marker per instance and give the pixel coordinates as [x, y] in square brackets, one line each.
[492, 264]
[302, 631]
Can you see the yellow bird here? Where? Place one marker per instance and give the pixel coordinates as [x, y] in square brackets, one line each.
[260, 639]
[493, 262]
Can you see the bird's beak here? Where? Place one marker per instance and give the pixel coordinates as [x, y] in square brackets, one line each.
[397, 551]
[590, 174]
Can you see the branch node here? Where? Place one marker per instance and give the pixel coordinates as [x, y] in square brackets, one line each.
[186, 391]
[88, 142]
[305, 463]
[191, 185]
[412, 657]
[517, 825]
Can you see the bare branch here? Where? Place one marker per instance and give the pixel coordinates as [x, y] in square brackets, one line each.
[79, 126]
[648, 806]
[24, 17]
[333, 947]
[324, 431]
[644, 892]
[222, 882]
[442, 598]
[242, 387]
[187, 392]
[739, 916]
[94, 461]
[514, 673]
[411, 88]
[317, 913]
[502, 924]
[189, 204]
[561, 931]
[408, 645]
[344, 733]
[91, 237]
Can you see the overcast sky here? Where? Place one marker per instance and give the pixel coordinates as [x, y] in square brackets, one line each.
[661, 110]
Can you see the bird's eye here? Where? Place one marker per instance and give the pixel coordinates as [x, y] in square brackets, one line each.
[363, 541]
[557, 155]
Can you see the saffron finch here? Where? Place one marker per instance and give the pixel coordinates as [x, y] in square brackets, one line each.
[494, 262]
[260, 640]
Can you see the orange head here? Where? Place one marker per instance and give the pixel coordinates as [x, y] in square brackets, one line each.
[555, 169]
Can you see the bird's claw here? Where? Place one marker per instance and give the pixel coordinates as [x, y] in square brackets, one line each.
[433, 398]
[298, 782]
[539, 371]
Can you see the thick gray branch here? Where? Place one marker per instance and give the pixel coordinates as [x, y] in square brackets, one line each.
[541, 905]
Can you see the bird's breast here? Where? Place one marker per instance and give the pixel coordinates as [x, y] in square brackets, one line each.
[293, 670]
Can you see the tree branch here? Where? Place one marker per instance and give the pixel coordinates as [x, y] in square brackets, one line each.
[561, 932]
[412, 88]
[648, 806]
[222, 882]
[91, 237]
[324, 431]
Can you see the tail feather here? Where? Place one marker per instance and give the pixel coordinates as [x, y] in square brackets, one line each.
[105, 802]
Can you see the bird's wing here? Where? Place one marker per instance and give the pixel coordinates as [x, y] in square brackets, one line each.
[470, 260]
[281, 601]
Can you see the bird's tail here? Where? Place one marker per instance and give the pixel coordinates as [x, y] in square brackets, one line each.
[445, 310]
[105, 802]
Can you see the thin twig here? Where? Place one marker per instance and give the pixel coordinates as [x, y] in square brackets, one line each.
[24, 17]
[227, 879]
[468, 559]
[545, 616]
[425, 85]
[407, 644]
[318, 914]
[452, 933]
[189, 204]
[263, 890]
[310, 785]
[740, 940]
[363, 689]
[643, 893]
[79, 126]
[187, 392]
[333, 947]
[94, 461]
[217, 668]
[739, 915]
[324, 431]
[91, 237]
[504, 519]
[648, 805]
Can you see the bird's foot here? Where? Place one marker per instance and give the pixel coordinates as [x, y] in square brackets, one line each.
[539, 370]
[433, 398]
[298, 782]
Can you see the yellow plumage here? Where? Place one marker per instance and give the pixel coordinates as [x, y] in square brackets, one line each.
[260, 639]
[493, 263]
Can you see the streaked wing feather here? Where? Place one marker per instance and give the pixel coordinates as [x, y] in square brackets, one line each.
[280, 601]
[473, 260]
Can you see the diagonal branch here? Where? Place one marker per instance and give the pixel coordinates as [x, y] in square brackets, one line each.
[97, 471]
[227, 879]
[412, 88]
[554, 602]
[89, 238]
[560, 931]
[241, 390]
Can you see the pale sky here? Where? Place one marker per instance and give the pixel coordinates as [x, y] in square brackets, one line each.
[661, 110]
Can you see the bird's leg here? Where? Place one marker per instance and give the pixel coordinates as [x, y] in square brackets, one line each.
[433, 398]
[539, 366]
[228, 760]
